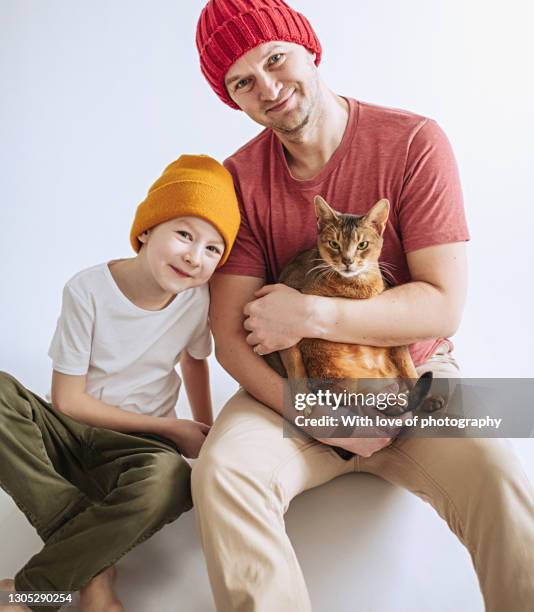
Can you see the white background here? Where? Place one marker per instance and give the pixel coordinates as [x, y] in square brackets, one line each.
[98, 97]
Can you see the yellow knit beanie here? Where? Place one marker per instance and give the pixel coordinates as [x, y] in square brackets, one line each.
[193, 185]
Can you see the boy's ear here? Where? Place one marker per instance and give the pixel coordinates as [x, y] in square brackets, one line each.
[323, 213]
[143, 238]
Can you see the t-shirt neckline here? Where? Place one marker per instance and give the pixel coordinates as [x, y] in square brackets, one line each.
[126, 300]
[333, 162]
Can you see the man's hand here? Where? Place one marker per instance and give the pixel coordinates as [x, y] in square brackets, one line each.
[187, 435]
[365, 447]
[276, 318]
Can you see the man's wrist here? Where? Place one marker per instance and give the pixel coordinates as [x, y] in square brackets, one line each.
[322, 313]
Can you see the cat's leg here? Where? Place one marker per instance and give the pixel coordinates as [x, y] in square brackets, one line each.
[295, 368]
[433, 401]
[293, 362]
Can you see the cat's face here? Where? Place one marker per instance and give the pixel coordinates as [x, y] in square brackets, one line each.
[351, 244]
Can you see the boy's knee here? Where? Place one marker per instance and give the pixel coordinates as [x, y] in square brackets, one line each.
[10, 395]
[8, 385]
[167, 489]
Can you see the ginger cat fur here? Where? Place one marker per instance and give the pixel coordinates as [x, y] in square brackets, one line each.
[344, 264]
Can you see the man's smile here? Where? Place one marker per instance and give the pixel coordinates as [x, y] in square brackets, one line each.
[281, 105]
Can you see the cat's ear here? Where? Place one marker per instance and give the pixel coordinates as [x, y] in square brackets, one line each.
[378, 215]
[323, 212]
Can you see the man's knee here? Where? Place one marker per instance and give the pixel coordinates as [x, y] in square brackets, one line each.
[488, 465]
[217, 474]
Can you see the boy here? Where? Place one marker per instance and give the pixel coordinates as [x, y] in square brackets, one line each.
[100, 469]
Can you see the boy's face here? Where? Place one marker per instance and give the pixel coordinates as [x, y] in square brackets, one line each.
[276, 84]
[182, 253]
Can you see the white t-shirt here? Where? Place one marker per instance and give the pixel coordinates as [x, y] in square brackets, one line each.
[128, 354]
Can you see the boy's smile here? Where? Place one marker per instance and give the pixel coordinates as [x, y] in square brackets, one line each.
[176, 255]
[182, 253]
[180, 273]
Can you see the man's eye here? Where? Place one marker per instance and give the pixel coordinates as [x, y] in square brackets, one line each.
[274, 58]
[242, 83]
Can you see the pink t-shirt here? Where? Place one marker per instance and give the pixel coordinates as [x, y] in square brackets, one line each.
[384, 153]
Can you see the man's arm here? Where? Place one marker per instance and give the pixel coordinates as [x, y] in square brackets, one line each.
[229, 294]
[429, 306]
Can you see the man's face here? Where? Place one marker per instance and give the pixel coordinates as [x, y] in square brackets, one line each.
[276, 84]
[182, 253]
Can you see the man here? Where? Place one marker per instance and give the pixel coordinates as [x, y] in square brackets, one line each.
[261, 56]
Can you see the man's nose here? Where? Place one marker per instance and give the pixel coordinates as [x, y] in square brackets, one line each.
[269, 87]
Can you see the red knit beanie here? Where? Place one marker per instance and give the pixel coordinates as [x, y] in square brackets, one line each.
[227, 29]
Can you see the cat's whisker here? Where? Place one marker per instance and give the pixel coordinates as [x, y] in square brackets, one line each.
[319, 267]
[386, 274]
[326, 274]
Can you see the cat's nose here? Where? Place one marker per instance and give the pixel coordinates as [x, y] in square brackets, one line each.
[347, 261]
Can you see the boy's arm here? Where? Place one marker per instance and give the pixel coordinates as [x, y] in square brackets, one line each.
[69, 396]
[195, 373]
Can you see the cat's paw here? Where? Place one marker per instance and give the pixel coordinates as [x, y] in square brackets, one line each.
[433, 403]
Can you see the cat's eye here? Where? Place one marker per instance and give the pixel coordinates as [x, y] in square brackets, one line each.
[363, 245]
[334, 245]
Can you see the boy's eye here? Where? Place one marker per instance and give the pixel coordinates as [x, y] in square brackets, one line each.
[214, 250]
[363, 245]
[334, 245]
[184, 234]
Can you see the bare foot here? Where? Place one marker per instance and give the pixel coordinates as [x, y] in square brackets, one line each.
[98, 595]
[9, 585]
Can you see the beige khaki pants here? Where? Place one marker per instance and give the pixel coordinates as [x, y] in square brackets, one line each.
[248, 473]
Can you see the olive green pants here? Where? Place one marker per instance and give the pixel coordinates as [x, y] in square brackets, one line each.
[92, 494]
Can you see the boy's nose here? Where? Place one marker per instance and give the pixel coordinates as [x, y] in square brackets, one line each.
[192, 258]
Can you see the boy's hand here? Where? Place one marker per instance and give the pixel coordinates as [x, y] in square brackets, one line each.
[187, 435]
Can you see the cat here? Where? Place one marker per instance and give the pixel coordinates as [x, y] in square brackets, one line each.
[345, 263]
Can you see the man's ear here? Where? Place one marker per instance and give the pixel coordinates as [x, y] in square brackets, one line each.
[323, 212]
[143, 238]
[378, 215]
